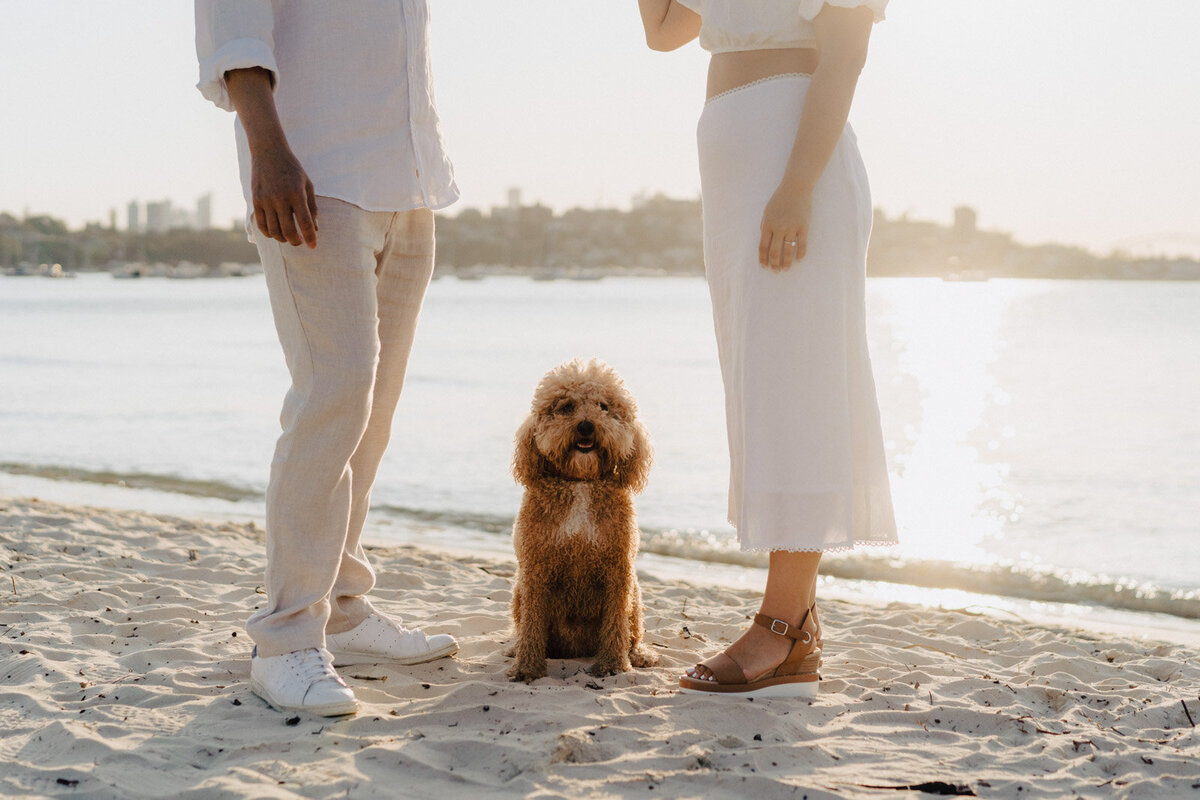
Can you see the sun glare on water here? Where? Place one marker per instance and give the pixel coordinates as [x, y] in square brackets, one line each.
[950, 497]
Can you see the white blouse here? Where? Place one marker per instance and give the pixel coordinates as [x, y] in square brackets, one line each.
[353, 89]
[731, 25]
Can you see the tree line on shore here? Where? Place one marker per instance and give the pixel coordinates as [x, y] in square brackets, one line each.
[658, 235]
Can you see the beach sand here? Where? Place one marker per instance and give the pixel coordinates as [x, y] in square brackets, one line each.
[124, 664]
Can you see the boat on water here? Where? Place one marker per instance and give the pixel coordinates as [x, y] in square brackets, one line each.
[28, 270]
[966, 275]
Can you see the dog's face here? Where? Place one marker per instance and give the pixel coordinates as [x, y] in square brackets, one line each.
[582, 426]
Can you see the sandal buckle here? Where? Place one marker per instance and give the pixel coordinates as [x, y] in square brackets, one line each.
[775, 622]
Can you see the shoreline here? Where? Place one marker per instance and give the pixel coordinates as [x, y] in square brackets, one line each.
[125, 666]
[382, 530]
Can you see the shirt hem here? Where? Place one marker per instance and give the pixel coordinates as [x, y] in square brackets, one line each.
[437, 205]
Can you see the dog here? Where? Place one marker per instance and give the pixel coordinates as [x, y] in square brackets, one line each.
[581, 455]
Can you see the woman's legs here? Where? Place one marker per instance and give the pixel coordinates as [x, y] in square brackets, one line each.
[791, 591]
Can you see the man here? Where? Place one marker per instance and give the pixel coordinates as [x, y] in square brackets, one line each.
[342, 165]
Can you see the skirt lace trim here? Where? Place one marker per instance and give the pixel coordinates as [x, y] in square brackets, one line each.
[719, 95]
[842, 548]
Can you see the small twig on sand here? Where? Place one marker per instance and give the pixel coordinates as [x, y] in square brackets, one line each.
[1189, 713]
[13, 578]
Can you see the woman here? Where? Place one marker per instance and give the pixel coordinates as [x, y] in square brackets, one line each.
[787, 216]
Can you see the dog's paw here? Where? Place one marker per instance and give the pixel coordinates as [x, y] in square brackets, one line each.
[603, 667]
[526, 672]
[641, 658]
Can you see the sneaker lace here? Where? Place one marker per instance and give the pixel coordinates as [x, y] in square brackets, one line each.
[403, 631]
[313, 665]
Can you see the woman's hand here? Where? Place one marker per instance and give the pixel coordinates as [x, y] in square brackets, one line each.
[842, 35]
[785, 228]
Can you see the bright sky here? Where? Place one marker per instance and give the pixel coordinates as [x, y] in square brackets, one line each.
[1072, 120]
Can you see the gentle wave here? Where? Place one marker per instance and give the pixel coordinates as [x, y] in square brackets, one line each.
[136, 480]
[475, 521]
[1008, 580]
[1005, 580]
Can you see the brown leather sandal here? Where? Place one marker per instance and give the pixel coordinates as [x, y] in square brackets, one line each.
[796, 676]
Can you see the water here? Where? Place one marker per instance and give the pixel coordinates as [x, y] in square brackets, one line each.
[1042, 435]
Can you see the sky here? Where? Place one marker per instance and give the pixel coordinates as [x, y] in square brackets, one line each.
[1073, 121]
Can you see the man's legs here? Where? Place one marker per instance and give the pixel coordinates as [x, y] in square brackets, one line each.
[326, 312]
[404, 268]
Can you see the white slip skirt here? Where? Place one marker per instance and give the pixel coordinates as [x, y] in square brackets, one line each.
[807, 464]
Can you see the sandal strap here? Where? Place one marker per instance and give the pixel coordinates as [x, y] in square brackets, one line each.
[805, 655]
[780, 627]
[725, 669]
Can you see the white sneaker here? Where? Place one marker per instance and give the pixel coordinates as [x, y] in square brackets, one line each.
[302, 681]
[378, 639]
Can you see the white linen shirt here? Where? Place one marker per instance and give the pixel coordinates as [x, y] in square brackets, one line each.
[353, 88]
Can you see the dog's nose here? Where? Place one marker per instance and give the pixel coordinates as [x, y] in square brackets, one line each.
[585, 428]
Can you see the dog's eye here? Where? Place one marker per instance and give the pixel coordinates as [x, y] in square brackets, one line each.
[566, 408]
[604, 406]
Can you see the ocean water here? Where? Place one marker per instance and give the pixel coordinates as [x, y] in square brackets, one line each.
[1043, 436]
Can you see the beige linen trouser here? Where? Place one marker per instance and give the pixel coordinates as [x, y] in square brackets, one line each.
[346, 313]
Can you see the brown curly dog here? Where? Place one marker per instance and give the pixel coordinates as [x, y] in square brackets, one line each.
[581, 455]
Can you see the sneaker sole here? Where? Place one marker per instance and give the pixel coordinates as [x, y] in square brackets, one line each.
[326, 710]
[350, 659]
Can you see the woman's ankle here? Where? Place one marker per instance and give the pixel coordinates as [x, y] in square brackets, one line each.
[794, 617]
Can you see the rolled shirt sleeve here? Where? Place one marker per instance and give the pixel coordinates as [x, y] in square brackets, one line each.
[810, 8]
[232, 34]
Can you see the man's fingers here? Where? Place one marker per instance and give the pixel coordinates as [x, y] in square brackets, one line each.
[311, 194]
[307, 225]
[287, 226]
[260, 219]
[272, 229]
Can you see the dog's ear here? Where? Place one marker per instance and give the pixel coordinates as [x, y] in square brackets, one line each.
[527, 462]
[633, 471]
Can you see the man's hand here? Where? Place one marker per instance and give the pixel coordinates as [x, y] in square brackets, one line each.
[285, 205]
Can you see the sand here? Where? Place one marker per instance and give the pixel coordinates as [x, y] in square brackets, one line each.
[124, 664]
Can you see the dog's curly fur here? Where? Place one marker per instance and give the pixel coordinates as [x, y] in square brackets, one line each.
[581, 454]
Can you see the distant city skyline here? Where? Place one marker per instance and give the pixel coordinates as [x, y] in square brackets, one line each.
[160, 216]
[1071, 122]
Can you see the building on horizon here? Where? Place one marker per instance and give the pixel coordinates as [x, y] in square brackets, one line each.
[158, 216]
[204, 212]
[966, 220]
[162, 216]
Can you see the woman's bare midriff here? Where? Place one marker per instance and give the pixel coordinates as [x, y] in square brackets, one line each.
[730, 70]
